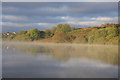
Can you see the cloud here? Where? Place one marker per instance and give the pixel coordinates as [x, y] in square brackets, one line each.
[32, 19]
[46, 24]
[89, 21]
[9, 9]
[11, 27]
[14, 18]
[43, 15]
[105, 18]
[60, 9]
[93, 21]
[9, 24]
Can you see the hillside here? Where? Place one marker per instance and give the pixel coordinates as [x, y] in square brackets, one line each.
[64, 33]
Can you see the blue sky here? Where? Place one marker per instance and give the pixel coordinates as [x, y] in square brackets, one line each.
[18, 16]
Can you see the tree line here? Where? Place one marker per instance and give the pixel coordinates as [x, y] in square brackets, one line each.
[64, 33]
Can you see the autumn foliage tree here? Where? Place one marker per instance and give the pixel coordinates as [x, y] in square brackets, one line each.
[62, 37]
[34, 34]
[62, 28]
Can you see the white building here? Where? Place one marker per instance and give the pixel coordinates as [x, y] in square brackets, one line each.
[8, 33]
[14, 32]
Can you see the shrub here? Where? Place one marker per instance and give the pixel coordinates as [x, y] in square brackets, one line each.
[61, 37]
[22, 38]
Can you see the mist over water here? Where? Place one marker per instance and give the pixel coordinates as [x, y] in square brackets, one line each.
[49, 60]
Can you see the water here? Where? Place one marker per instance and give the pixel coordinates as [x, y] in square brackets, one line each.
[45, 60]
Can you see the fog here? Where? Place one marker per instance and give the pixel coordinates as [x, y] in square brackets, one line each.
[59, 60]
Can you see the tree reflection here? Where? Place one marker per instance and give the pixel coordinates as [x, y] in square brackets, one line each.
[107, 54]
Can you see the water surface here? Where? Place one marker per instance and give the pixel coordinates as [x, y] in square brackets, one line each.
[45, 60]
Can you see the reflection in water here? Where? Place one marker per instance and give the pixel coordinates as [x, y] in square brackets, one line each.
[108, 54]
[68, 60]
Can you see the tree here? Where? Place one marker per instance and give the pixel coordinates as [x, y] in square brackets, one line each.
[53, 29]
[22, 32]
[62, 37]
[48, 33]
[62, 28]
[34, 34]
[22, 38]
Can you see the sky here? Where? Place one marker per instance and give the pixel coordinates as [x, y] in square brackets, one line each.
[17, 16]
